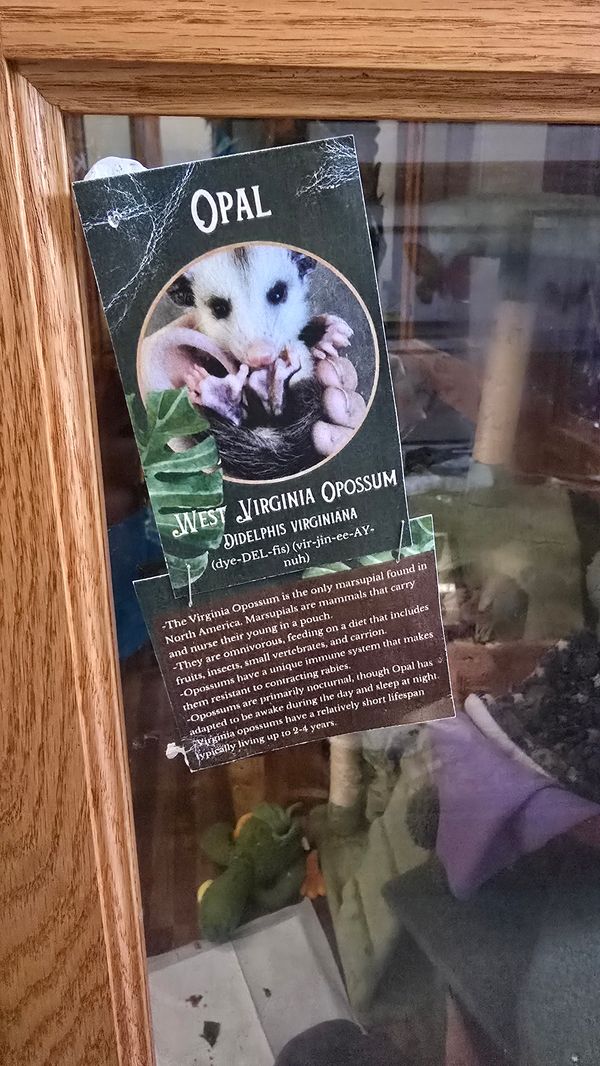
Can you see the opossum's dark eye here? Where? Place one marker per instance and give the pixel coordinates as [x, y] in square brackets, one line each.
[220, 307]
[277, 294]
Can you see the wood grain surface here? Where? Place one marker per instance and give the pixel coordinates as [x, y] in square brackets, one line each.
[72, 989]
[394, 34]
[324, 92]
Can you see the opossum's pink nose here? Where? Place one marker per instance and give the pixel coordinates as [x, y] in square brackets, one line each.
[261, 353]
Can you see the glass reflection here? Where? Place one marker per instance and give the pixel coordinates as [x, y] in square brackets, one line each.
[461, 922]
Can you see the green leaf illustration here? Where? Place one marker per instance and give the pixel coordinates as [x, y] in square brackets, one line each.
[181, 484]
[379, 557]
[178, 569]
[423, 540]
[323, 571]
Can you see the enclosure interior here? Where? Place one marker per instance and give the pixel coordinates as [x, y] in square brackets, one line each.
[463, 899]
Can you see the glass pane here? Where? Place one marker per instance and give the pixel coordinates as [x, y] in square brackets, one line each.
[461, 922]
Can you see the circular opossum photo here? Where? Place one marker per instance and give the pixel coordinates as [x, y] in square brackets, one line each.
[275, 348]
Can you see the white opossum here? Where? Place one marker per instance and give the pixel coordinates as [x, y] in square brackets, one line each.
[264, 369]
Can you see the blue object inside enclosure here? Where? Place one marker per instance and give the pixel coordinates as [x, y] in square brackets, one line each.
[133, 544]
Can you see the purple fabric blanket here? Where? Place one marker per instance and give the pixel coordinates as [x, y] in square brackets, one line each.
[493, 807]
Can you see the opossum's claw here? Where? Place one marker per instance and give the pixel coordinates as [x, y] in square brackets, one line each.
[341, 339]
[336, 335]
[326, 348]
[339, 326]
[290, 359]
[282, 370]
[221, 395]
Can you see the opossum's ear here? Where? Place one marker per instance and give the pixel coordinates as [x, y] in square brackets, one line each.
[304, 263]
[181, 291]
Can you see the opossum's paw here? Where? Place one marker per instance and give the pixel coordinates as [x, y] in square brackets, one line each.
[328, 439]
[337, 372]
[269, 383]
[221, 395]
[343, 408]
[336, 335]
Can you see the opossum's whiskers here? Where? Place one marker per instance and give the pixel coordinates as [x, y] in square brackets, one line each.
[189, 570]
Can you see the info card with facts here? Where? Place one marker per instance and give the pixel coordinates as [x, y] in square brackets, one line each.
[274, 664]
[242, 301]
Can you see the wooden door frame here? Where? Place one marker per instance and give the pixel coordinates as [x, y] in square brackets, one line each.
[71, 943]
